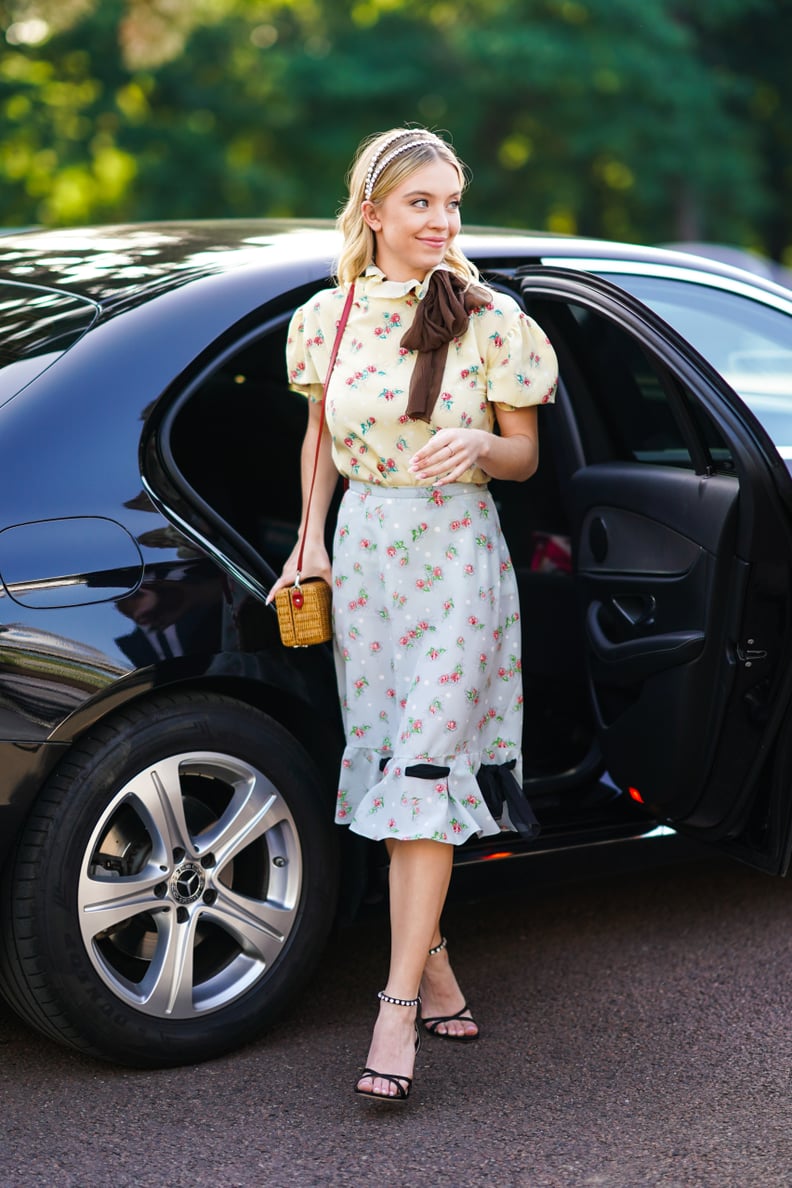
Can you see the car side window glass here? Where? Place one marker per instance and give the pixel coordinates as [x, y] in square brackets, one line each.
[629, 392]
[746, 341]
[720, 453]
[628, 406]
[36, 326]
[236, 440]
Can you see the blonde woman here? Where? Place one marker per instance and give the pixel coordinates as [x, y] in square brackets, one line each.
[433, 393]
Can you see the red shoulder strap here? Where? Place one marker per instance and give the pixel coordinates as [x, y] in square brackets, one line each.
[333, 355]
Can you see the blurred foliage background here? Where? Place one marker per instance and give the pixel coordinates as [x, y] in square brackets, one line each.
[649, 120]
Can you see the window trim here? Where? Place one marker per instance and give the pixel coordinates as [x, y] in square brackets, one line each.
[693, 276]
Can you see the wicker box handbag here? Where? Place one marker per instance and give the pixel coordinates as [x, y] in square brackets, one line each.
[304, 609]
[304, 613]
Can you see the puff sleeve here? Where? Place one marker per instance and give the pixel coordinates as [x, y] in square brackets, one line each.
[306, 350]
[522, 368]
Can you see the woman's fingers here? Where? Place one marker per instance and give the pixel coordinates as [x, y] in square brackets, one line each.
[455, 475]
[316, 563]
[446, 454]
[284, 580]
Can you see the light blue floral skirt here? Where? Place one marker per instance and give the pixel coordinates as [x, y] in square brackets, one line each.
[427, 644]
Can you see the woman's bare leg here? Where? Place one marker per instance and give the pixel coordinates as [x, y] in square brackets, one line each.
[420, 872]
[439, 990]
[441, 995]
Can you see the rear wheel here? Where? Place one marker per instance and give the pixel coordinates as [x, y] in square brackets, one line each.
[174, 885]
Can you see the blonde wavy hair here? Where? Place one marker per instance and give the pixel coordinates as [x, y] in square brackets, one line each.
[377, 161]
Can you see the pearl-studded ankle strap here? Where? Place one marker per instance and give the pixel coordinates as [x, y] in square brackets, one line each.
[439, 948]
[405, 1002]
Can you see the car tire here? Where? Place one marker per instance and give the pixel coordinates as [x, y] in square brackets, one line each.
[174, 885]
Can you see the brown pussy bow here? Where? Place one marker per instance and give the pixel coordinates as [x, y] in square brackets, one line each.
[443, 313]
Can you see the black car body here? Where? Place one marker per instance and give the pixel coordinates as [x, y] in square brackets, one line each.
[167, 768]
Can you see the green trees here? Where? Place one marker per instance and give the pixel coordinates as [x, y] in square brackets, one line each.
[638, 121]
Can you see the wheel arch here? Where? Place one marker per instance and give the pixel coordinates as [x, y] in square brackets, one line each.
[319, 736]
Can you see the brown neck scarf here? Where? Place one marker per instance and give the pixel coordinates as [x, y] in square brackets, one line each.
[443, 313]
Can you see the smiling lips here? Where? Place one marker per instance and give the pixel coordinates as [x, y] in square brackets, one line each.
[432, 243]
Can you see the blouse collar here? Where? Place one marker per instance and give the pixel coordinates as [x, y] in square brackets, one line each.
[376, 284]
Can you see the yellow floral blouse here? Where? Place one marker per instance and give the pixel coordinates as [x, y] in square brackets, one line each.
[503, 359]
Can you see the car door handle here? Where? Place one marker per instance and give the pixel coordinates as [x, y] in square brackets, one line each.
[632, 660]
[637, 610]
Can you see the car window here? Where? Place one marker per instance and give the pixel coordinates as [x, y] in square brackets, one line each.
[749, 343]
[36, 326]
[628, 406]
[220, 439]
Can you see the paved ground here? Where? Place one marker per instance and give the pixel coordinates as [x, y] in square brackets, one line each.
[637, 1033]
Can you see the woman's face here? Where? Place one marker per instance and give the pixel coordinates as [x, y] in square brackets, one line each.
[415, 225]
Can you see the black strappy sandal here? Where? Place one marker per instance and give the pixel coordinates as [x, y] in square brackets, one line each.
[403, 1084]
[431, 1025]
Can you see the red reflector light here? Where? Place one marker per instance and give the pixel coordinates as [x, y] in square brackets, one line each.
[499, 854]
[636, 795]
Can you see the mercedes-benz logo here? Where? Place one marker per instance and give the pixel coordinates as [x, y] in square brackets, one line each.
[187, 883]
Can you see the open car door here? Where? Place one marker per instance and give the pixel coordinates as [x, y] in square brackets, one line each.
[681, 515]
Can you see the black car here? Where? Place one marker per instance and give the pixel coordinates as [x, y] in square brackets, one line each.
[167, 767]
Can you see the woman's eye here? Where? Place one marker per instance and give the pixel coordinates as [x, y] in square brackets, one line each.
[420, 202]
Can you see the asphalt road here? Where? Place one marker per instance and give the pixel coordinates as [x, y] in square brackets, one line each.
[636, 1031]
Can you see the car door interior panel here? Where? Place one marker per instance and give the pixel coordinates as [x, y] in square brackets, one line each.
[614, 540]
[637, 659]
[653, 523]
[652, 588]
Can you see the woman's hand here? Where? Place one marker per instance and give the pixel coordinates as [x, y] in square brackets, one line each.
[316, 563]
[511, 454]
[449, 454]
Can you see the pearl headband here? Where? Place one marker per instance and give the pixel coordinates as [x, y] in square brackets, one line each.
[380, 163]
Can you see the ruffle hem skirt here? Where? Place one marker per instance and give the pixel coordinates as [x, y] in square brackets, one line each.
[427, 646]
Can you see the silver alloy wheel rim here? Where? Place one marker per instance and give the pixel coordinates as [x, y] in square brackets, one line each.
[190, 885]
